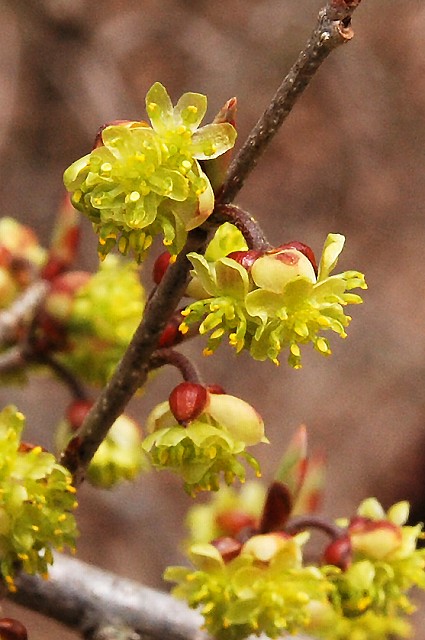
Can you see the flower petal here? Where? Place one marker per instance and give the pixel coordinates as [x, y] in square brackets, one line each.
[190, 110]
[212, 140]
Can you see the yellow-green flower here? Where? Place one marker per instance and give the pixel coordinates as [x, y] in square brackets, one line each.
[278, 304]
[145, 180]
[36, 501]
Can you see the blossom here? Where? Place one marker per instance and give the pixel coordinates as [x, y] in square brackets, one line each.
[278, 303]
[36, 501]
[208, 446]
[144, 180]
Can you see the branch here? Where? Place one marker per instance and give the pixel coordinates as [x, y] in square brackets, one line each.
[187, 368]
[332, 30]
[21, 311]
[247, 225]
[89, 599]
[132, 371]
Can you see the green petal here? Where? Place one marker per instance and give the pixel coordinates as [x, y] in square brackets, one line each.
[264, 304]
[212, 140]
[72, 177]
[333, 246]
[169, 183]
[206, 557]
[232, 279]
[204, 272]
[190, 110]
[160, 108]
[227, 238]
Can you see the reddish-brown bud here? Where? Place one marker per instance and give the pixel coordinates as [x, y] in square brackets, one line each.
[76, 412]
[11, 629]
[187, 401]
[228, 547]
[160, 266]
[302, 248]
[339, 553]
[245, 258]
[277, 508]
[233, 521]
[171, 334]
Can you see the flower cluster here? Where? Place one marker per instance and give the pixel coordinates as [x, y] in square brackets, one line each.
[141, 180]
[269, 301]
[21, 257]
[90, 319]
[36, 503]
[207, 442]
[119, 457]
[260, 584]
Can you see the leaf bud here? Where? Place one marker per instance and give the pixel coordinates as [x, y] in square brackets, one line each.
[187, 401]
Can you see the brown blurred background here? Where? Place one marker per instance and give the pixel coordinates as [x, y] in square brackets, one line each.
[350, 159]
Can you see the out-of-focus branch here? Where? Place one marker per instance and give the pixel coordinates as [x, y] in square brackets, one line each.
[90, 600]
[333, 29]
[21, 311]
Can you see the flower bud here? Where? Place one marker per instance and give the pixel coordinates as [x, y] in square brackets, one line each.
[171, 334]
[339, 553]
[238, 417]
[303, 248]
[273, 271]
[228, 547]
[265, 547]
[376, 539]
[187, 401]
[11, 629]
[76, 412]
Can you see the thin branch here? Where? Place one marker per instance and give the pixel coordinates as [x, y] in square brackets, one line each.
[332, 30]
[187, 368]
[89, 599]
[21, 311]
[247, 225]
[301, 523]
[63, 373]
[131, 373]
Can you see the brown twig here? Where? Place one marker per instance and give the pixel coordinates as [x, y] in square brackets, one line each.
[247, 225]
[187, 368]
[333, 29]
[21, 311]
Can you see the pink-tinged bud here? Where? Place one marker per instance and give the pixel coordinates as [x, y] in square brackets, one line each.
[228, 547]
[265, 547]
[245, 258]
[11, 629]
[374, 538]
[187, 401]
[76, 413]
[215, 388]
[232, 522]
[339, 553]
[160, 266]
[171, 334]
[303, 248]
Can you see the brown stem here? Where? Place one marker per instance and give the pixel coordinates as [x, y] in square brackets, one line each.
[21, 312]
[131, 372]
[63, 373]
[332, 30]
[247, 225]
[301, 523]
[189, 371]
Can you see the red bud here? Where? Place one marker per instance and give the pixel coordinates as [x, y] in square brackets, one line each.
[232, 522]
[215, 388]
[229, 548]
[339, 553]
[171, 334]
[187, 401]
[245, 258]
[160, 266]
[76, 412]
[11, 629]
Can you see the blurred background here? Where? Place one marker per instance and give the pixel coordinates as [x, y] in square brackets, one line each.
[350, 159]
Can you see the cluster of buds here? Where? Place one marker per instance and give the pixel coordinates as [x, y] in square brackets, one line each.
[89, 319]
[200, 433]
[272, 300]
[36, 503]
[119, 456]
[141, 180]
[253, 578]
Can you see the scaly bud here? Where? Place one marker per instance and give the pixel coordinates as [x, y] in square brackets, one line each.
[187, 401]
[245, 258]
